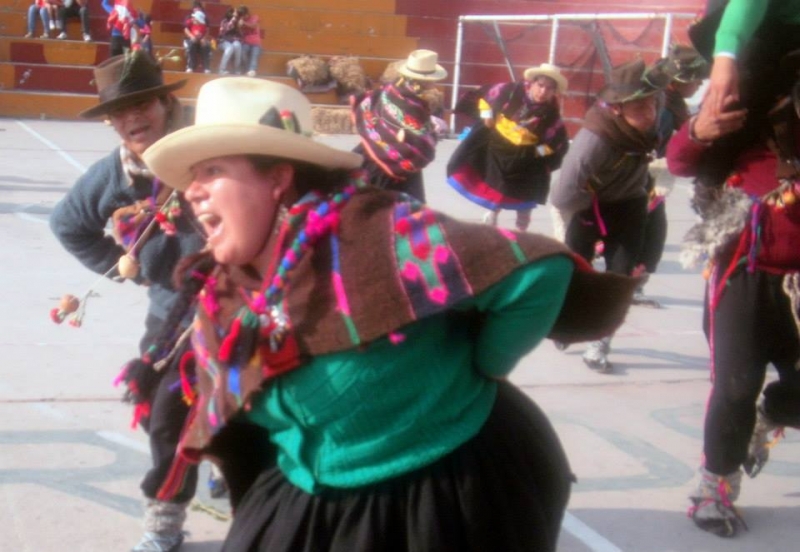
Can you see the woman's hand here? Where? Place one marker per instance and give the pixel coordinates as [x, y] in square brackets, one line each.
[724, 84]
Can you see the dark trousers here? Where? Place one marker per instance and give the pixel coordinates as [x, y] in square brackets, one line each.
[118, 44]
[752, 327]
[167, 417]
[624, 222]
[197, 49]
[655, 236]
[75, 10]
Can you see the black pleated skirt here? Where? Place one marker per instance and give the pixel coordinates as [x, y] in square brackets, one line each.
[506, 489]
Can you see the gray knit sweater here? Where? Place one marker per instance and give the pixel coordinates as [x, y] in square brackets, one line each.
[79, 221]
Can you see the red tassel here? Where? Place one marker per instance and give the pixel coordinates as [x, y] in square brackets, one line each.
[186, 385]
[229, 342]
[140, 411]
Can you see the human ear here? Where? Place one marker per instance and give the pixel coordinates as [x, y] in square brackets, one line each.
[283, 176]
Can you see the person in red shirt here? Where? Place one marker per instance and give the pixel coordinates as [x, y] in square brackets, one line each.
[251, 39]
[196, 39]
[749, 237]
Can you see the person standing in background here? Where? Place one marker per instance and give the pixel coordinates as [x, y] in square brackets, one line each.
[397, 137]
[506, 160]
[121, 191]
[603, 180]
[684, 68]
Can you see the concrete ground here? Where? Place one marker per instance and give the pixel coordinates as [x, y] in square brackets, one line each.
[70, 465]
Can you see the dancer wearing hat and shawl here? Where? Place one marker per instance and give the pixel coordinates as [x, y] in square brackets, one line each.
[684, 69]
[602, 185]
[506, 162]
[361, 333]
[151, 232]
[398, 137]
[749, 238]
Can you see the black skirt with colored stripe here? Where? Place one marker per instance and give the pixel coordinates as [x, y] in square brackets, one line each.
[505, 489]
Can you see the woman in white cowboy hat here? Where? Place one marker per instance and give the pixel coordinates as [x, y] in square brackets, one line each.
[398, 137]
[505, 163]
[359, 333]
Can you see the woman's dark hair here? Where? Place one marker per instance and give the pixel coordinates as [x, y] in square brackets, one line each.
[307, 176]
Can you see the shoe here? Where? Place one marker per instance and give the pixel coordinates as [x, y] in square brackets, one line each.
[188, 69]
[760, 442]
[490, 217]
[596, 356]
[87, 37]
[62, 36]
[251, 73]
[28, 35]
[216, 484]
[641, 300]
[523, 220]
[717, 518]
[207, 71]
[45, 35]
[712, 507]
[156, 542]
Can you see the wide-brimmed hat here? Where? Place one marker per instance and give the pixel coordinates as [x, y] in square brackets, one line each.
[547, 70]
[423, 65]
[127, 79]
[243, 116]
[682, 64]
[627, 84]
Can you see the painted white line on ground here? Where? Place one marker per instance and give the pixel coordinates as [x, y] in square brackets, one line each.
[63, 154]
[125, 441]
[588, 536]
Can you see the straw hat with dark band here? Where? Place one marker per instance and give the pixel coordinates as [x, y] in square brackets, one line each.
[423, 65]
[243, 116]
[550, 71]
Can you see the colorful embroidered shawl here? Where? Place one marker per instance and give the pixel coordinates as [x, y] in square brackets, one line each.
[392, 262]
[395, 128]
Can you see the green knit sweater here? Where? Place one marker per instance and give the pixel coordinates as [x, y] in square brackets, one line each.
[743, 17]
[358, 417]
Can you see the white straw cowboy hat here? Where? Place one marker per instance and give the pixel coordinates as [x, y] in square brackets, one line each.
[547, 70]
[423, 65]
[243, 116]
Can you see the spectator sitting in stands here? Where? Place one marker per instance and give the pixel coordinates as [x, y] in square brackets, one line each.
[230, 42]
[40, 7]
[196, 41]
[251, 39]
[74, 8]
[52, 7]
